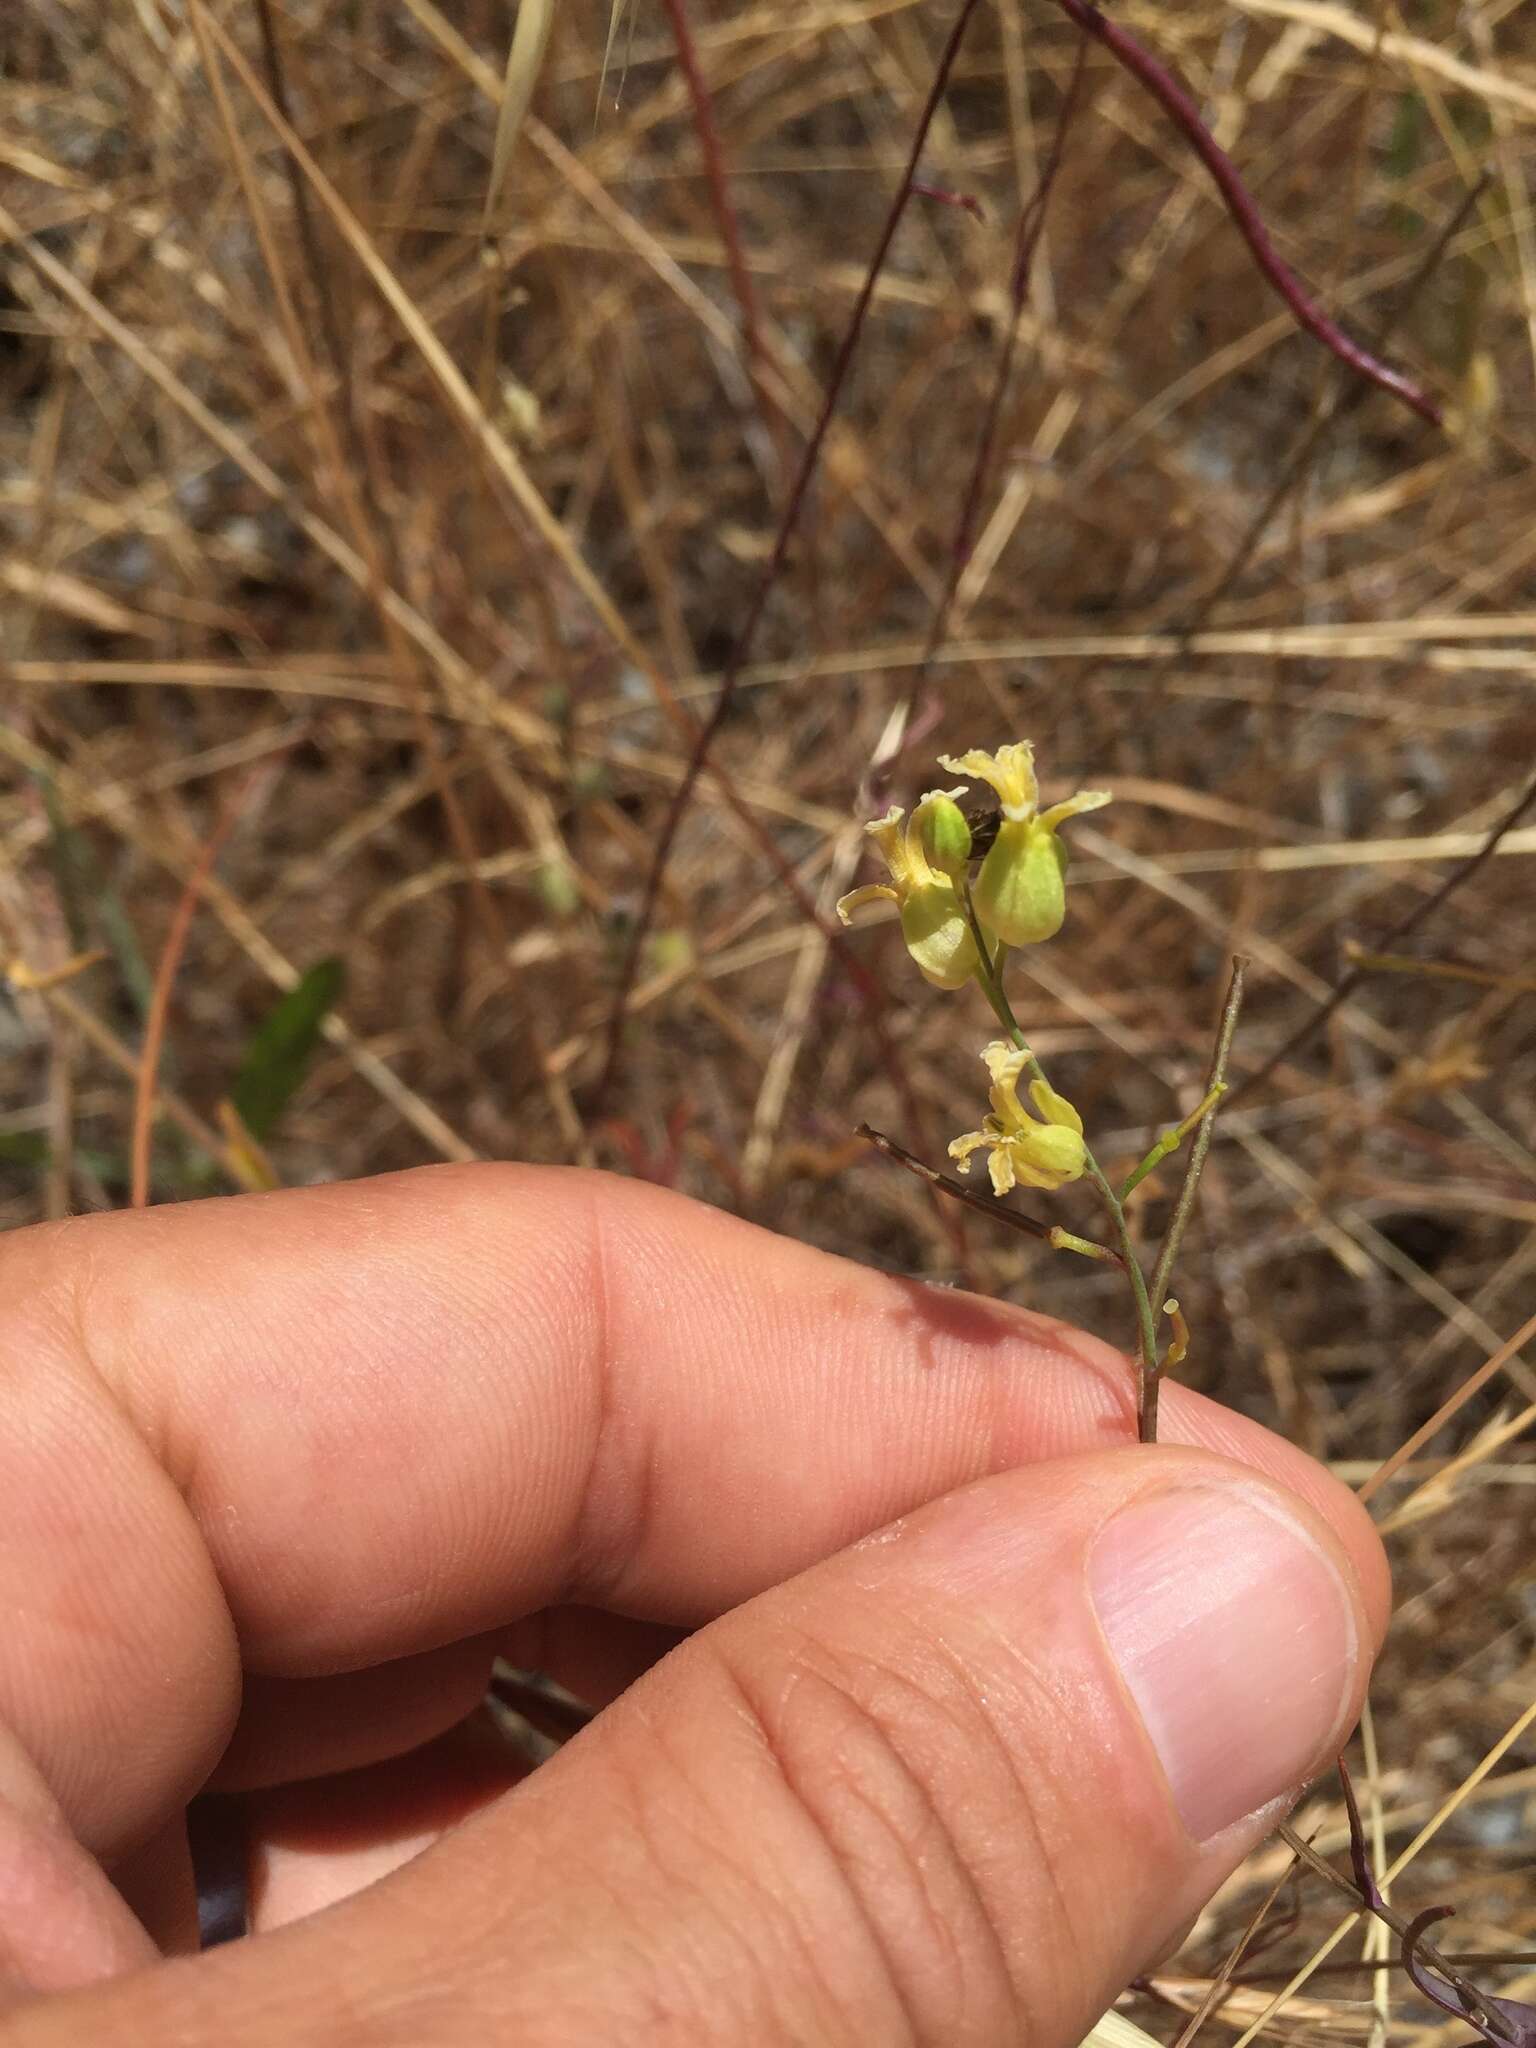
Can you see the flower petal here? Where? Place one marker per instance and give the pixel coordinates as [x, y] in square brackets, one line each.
[1085, 800]
[887, 835]
[1053, 1107]
[872, 892]
[1005, 1063]
[961, 1148]
[1010, 771]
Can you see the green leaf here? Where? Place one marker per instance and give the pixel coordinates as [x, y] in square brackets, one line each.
[281, 1047]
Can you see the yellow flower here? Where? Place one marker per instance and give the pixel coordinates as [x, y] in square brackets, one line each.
[1021, 891]
[922, 886]
[1024, 1152]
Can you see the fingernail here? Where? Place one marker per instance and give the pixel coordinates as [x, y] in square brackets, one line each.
[1237, 1640]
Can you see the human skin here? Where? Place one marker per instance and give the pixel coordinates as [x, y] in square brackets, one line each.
[933, 1706]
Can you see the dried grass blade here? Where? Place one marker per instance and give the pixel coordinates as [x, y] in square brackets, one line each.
[525, 60]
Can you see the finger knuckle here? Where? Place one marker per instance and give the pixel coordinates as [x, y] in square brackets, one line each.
[923, 1815]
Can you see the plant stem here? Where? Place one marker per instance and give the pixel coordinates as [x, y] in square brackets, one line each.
[1183, 1208]
[1155, 78]
[1170, 1141]
[789, 522]
[1146, 1323]
[1398, 1922]
[1424, 909]
[986, 1205]
[1216, 1084]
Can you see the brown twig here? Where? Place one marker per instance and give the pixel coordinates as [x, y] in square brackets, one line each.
[707, 128]
[1400, 1923]
[1331, 416]
[899, 1156]
[309, 240]
[1393, 938]
[375, 547]
[1171, 96]
[1026, 242]
[788, 524]
[985, 1205]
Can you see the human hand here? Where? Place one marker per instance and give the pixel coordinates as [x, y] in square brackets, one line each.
[980, 1704]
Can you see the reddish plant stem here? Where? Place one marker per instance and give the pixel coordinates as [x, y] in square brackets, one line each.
[165, 979]
[1171, 96]
[788, 524]
[1325, 421]
[1026, 242]
[707, 128]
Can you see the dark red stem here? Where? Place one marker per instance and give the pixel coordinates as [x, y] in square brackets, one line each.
[707, 128]
[1026, 242]
[788, 523]
[1185, 115]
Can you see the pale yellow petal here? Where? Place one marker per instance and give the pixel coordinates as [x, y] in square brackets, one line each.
[873, 892]
[1010, 771]
[1000, 1166]
[1005, 1063]
[1085, 800]
[961, 1148]
[887, 835]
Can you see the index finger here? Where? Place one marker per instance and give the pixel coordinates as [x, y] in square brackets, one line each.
[340, 1425]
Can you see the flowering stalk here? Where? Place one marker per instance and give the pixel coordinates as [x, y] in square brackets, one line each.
[1146, 1326]
[957, 931]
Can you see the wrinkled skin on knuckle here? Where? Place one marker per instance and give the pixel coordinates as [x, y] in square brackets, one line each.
[896, 1764]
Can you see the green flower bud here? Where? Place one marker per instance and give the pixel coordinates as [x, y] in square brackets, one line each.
[1039, 1149]
[937, 936]
[934, 926]
[945, 831]
[1021, 890]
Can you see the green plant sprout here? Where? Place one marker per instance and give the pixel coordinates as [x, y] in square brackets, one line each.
[959, 929]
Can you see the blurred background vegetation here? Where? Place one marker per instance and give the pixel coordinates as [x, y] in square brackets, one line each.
[375, 530]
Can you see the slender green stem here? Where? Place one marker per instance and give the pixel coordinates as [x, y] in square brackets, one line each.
[1170, 1141]
[1183, 1208]
[1146, 1323]
[1216, 1085]
[1085, 1247]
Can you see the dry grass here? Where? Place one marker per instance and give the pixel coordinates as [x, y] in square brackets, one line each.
[449, 540]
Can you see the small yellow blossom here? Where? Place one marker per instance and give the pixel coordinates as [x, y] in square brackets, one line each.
[1024, 1152]
[924, 860]
[1020, 893]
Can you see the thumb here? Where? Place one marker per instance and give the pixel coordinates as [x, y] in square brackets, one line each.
[957, 1784]
[960, 1782]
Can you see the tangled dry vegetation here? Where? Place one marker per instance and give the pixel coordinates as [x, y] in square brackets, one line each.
[380, 569]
